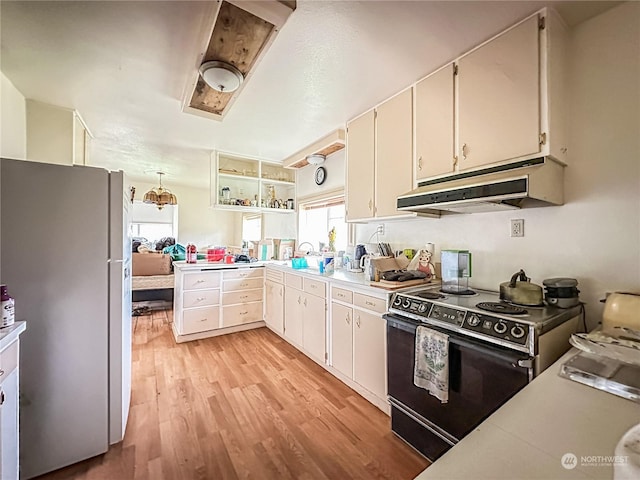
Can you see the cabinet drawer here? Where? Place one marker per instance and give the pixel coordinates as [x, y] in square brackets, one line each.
[315, 287]
[239, 314]
[200, 319]
[243, 273]
[242, 284]
[274, 275]
[342, 295]
[294, 281]
[241, 296]
[193, 281]
[8, 360]
[201, 298]
[370, 303]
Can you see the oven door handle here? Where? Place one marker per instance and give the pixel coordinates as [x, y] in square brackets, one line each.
[516, 360]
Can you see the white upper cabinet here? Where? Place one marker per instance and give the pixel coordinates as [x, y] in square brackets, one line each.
[56, 135]
[360, 166]
[434, 132]
[502, 101]
[394, 151]
[499, 98]
[379, 156]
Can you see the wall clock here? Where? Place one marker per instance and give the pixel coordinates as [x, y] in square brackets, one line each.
[320, 175]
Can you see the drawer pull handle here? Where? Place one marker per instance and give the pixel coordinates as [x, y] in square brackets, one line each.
[367, 302]
[348, 320]
[202, 320]
[244, 296]
[1, 397]
[199, 281]
[1, 372]
[358, 321]
[199, 299]
[244, 284]
[305, 302]
[244, 313]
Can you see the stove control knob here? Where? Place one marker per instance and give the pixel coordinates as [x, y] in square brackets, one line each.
[422, 308]
[500, 327]
[397, 301]
[474, 320]
[517, 331]
[406, 303]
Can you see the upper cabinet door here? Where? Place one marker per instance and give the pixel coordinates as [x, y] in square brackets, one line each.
[360, 167]
[498, 92]
[435, 124]
[394, 152]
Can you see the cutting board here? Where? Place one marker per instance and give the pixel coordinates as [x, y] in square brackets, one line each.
[388, 285]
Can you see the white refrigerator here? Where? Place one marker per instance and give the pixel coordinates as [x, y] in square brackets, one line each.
[65, 254]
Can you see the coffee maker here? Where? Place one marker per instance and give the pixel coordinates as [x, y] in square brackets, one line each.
[456, 271]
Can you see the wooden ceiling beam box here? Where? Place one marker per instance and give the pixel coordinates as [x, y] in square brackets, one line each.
[239, 33]
[327, 145]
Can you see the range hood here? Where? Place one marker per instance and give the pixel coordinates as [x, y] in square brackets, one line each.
[527, 183]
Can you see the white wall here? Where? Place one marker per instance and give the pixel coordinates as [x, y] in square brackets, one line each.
[13, 121]
[335, 167]
[595, 236]
[197, 222]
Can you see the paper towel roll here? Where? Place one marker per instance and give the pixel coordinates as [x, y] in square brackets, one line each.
[431, 248]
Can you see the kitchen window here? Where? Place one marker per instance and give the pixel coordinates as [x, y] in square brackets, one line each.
[316, 219]
[153, 224]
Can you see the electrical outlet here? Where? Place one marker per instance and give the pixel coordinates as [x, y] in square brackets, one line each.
[380, 229]
[517, 228]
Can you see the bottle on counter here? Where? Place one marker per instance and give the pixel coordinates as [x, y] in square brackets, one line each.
[192, 253]
[8, 307]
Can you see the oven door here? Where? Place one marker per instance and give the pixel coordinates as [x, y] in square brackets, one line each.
[481, 379]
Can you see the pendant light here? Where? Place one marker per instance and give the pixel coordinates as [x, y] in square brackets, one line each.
[160, 196]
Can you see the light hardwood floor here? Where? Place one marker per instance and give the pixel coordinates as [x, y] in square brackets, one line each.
[245, 405]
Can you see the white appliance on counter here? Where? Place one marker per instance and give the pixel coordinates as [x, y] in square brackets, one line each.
[66, 253]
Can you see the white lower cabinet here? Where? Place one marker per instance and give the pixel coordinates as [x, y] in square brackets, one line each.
[358, 340]
[342, 339]
[274, 305]
[9, 412]
[369, 352]
[350, 342]
[305, 315]
[207, 300]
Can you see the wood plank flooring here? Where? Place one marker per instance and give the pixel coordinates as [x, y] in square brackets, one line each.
[244, 405]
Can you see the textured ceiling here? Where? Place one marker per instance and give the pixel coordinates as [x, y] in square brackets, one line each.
[124, 66]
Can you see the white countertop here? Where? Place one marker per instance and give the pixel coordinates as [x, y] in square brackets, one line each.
[350, 279]
[10, 334]
[200, 264]
[528, 436]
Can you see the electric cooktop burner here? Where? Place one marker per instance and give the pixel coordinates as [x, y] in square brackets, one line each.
[459, 292]
[497, 307]
[429, 295]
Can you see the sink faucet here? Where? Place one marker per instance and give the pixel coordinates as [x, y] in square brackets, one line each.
[306, 243]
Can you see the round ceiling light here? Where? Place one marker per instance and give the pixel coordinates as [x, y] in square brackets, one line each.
[221, 76]
[316, 159]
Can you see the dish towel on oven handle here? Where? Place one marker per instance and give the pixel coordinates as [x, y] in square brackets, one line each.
[431, 370]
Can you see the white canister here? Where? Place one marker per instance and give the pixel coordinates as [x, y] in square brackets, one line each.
[329, 263]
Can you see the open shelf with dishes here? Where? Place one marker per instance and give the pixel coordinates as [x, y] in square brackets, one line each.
[247, 184]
